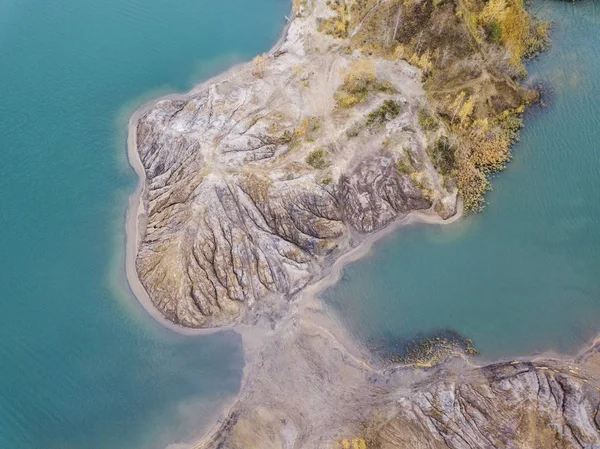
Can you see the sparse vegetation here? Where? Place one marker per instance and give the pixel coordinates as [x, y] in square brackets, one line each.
[354, 130]
[308, 128]
[442, 156]
[353, 443]
[403, 167]
[427, 122]
[538, 39]
[427, 352]
[485, 149]
[359, 81]
[419, 179]
[339, 24]
[259, 65]
[493, 31]
[317, 158]
[388, 110]
[470, 52]
[297, 6]
[423, 61]
[424, 350]
[507, 22]
[348, 15]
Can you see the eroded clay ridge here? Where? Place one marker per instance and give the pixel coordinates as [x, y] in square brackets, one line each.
[258, 181]
[549, 404]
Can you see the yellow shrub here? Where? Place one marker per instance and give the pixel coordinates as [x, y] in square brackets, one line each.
[337, 25]
[521, 35]
[297, 5]
[493, 10]
[354, 443]
[359, 73]
[472, 184]
[490, 154]
[359, 443]
[259, 64]
[465, 111]
[359, 80]
[423, 62]
[308, 128]
[515, 30]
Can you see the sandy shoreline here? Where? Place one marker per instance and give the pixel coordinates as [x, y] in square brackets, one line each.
[135, 209]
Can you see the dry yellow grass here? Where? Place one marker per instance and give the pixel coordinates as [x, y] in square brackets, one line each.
[297, 5]
[352, 443]
[259, 65]
[359, 80]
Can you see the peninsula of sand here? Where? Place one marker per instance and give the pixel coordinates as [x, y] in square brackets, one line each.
[259, 184]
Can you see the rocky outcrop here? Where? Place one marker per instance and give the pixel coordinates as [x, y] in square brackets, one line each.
[309, 392]
[258, 180]
[373, 194]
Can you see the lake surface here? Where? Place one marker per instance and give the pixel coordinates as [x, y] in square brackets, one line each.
[81, 364]
[524, 276]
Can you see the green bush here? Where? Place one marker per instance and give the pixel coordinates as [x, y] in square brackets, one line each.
[388, 110]
[403, 167]
[317, 159]
[443, 155]
[493, 31]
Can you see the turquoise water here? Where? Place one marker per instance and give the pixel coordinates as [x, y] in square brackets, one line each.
[81, 365]
[524, 276]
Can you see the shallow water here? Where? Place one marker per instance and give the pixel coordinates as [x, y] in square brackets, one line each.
[523, 276]
[81, 365]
